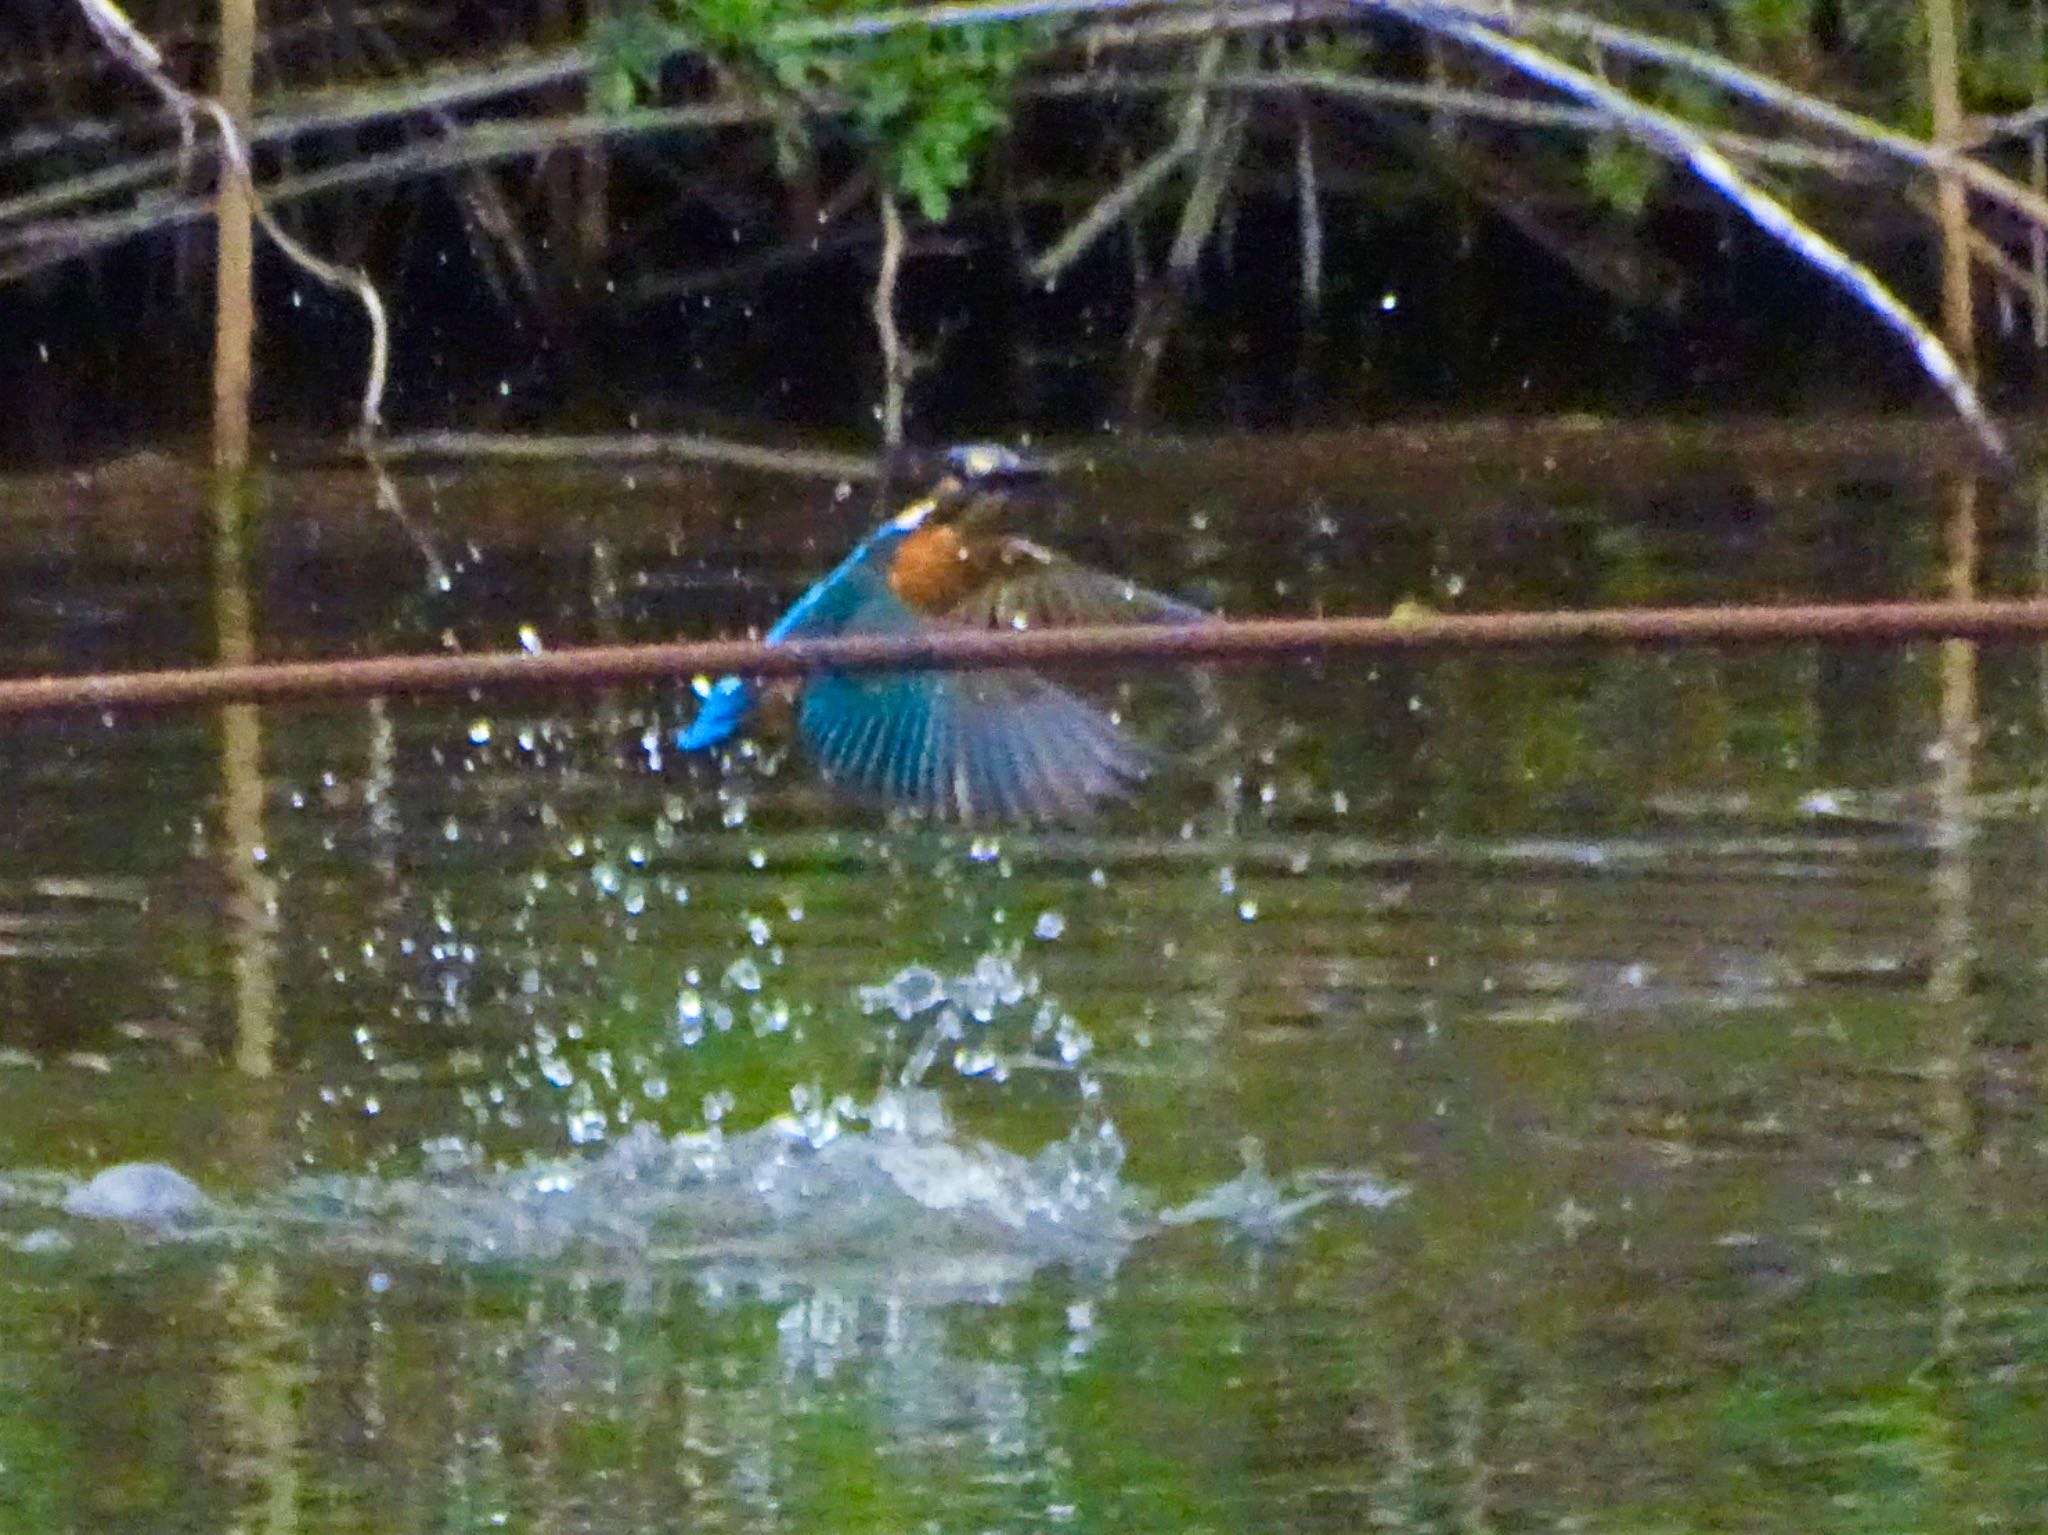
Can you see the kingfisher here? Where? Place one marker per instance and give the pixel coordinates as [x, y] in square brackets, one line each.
[966, 746]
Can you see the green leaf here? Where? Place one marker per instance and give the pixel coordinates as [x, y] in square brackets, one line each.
[627, 53]
[924, 101]
[1621, 175]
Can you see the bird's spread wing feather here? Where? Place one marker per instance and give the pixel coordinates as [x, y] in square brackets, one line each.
[1030, 587]
[965, 745]
[1001, 745]
[995, 745]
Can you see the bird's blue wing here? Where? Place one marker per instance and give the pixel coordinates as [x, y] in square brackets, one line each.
[821, 610]
[998, 745]
[960, 746]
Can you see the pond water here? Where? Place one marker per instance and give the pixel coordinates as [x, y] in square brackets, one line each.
[1593, 1093]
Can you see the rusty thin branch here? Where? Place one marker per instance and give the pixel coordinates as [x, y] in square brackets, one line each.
[2011, 622]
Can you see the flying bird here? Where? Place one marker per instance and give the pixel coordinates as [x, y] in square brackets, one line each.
[968, 746]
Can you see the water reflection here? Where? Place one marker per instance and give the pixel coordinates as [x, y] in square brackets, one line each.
[252, 896]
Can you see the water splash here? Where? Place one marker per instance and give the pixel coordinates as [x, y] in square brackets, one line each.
[885, 1198]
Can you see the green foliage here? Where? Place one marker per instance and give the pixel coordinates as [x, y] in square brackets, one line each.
[1766, 25]
[924, 100]
[2000, 70]
[627, 53]
[1622, 175]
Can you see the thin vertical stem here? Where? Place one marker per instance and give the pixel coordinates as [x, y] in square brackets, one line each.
[1309, 207]
[234, 300]
[2037, 167]
[1945, 106]
[895, 359]
[1958, 312]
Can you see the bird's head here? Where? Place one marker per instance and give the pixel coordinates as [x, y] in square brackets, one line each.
[972, 485]
[930, 549]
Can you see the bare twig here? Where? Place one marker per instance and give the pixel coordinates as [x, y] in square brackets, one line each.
[51, 244]
[122, 39]
[1215, 162]
[1214, 167]
[1117, 204]
[2011, 622]
[896, 361]
[1309, 213]
[2009, 277]
[645, 447]
[44, 245]
[529, 71]
[140, 55]
[1506, 15]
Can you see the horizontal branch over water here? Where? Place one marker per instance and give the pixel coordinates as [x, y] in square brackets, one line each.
[1244, 640]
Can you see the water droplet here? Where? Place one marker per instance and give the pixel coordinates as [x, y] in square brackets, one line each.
[1049, 926]
[689, 1016]
[480, 732]
[743, 974]
[979, 1062]
[909, 992]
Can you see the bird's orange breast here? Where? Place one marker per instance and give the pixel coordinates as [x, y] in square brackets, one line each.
[931, 571]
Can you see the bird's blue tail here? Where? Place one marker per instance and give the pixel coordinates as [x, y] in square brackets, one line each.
[725, 710]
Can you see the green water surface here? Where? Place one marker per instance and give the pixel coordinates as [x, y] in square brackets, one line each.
[1691, 1000]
